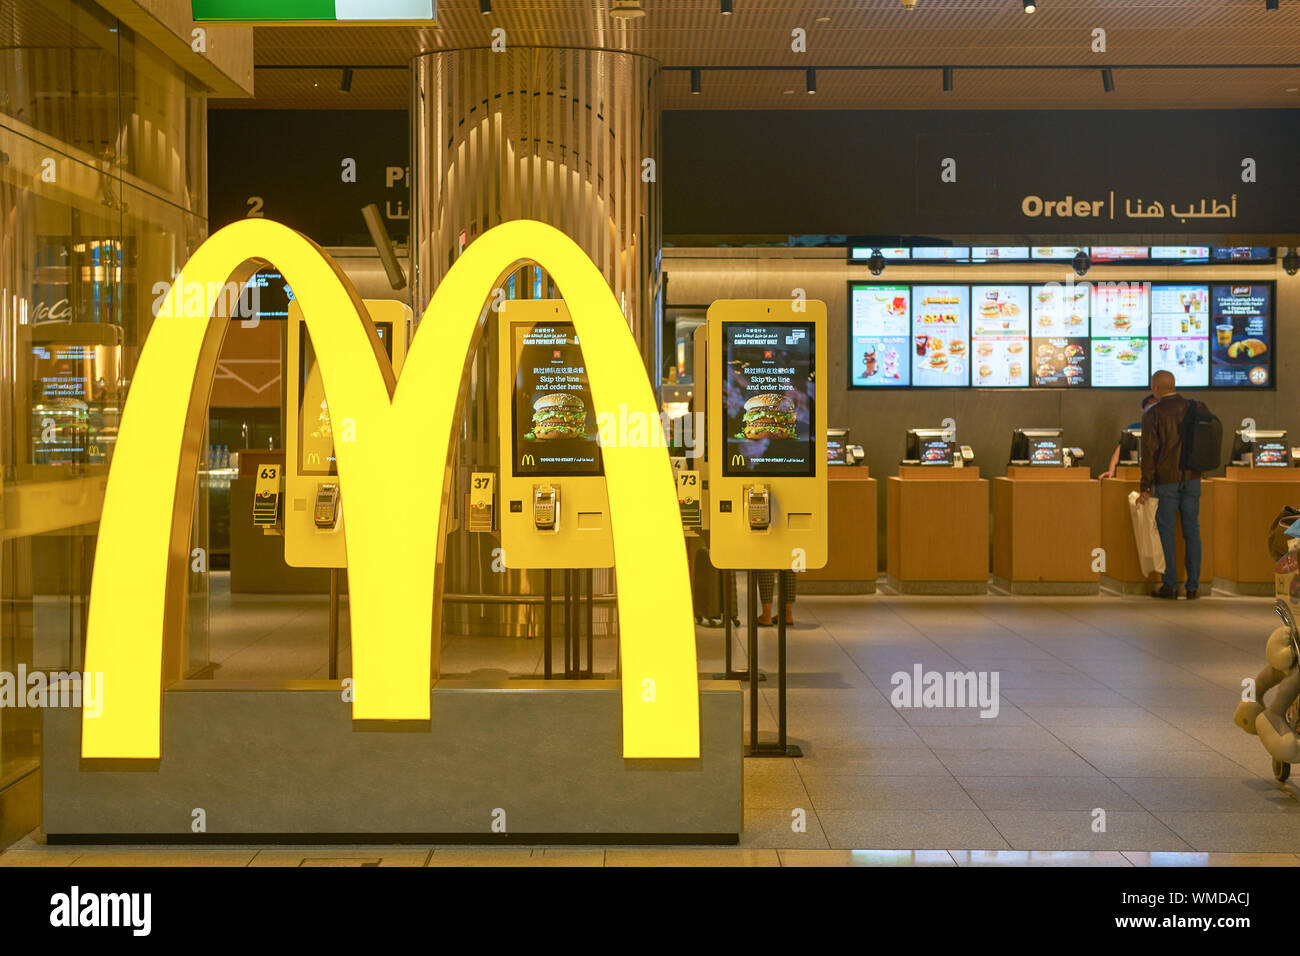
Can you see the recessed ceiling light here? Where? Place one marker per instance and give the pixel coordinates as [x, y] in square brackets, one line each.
[1293, 89]
[788, 92]
[823, 19]
[627, 10]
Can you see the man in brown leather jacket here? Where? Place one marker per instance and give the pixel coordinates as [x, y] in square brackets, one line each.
[1178, 492]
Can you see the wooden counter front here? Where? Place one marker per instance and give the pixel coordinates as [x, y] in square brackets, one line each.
[937, 531]
[1123, 571]
[1046, 528]
[1246, 502]
[850, 535]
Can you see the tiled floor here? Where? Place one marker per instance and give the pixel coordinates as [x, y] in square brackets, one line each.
[1113, 743]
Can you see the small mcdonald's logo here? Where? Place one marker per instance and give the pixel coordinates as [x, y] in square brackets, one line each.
[737, 460]
[313, 458]
[528, 460]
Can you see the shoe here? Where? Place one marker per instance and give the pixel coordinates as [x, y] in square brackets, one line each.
[1193, 595]
[765, 622]
[1166, 592]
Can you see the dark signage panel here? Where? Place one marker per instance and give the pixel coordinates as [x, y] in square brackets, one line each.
[1080, 172]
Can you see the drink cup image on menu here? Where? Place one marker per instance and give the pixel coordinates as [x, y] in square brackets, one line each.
[880, 335]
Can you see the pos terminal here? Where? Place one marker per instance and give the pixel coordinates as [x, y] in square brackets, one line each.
[555, 512]
[767, 448]
[313, 509]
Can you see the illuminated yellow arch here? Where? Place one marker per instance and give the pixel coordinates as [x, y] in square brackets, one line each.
[142, 559]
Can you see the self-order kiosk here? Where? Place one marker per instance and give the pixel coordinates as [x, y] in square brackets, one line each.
[767, 433]
[313, 508]
[554, 509]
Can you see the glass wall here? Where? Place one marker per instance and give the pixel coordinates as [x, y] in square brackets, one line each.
[102, 198]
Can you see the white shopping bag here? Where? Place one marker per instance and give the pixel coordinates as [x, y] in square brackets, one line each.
[1151, 554]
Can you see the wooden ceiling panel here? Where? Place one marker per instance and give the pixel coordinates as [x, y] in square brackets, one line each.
[986, 33]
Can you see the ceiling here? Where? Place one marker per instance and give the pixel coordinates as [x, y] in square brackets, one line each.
[1230, 41]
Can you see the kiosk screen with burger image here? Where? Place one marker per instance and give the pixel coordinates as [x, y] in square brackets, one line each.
[554, 423]
[768, 397]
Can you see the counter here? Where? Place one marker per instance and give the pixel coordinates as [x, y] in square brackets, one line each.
[1046, 531]
[1246, 500]
[937, 530]
[1122, 572]
[850, 535]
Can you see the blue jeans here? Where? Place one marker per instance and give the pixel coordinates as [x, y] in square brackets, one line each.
[1180, 499]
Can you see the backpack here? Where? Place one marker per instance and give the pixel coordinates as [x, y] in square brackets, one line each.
[1202, 439]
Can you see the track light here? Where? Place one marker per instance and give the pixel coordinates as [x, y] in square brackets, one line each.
[485, 7]
[810, 80]
[1030, 6]
[876, 263]
[1270, 4]
[695, 81]
[726, 8]
[1107, 80]
[345, 85]
[947, 79]
[1081, 263]
[1291, 262]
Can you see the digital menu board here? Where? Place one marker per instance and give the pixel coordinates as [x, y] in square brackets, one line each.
[768, 399]
[1062, 334]
[999, 253]
[999, 336]
[1056, 252]
[1118, 253]
[1240, 316]
[941, 253]
[1180, 322]
[1059, 309]
[940, 335]
[1120, 327]
[554, 426]
[880, 335]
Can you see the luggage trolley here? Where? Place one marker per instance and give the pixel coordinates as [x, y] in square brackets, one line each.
[1282, 769]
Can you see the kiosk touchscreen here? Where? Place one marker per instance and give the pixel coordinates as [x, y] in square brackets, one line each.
[554, 509]
[1038, 446]
[313, 507]
[1130, 446]
[1261, 448]
[930, 446]
[767, 433]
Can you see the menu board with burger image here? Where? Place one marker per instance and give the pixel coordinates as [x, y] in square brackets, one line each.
[1058, 327]
[940, 335]
[1240, 351]
[1180, 337]
[879, 335]
[1120, 325]
[768, 396]
[999, 336]
[554, 428]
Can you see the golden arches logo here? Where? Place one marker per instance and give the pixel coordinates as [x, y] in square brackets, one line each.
[142, 558]
[528, 461]
[737, 460]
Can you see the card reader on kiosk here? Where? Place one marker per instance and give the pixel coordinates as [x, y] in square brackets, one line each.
[555, 511]
[546, 507]
[767, 433]
[313, 506]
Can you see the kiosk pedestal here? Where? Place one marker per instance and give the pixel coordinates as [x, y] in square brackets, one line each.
[1123, 572]
[851, 535]
[1246, 501]
[1046, 526]
[937, 530]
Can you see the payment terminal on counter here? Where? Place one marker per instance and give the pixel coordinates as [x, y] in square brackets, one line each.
[1043, 447]
[313, 508]
[935, 448]
[554, 511]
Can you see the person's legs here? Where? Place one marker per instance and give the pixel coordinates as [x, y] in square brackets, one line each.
[788, 588]
[1166, 511]
[766, 585]
[1189, 510]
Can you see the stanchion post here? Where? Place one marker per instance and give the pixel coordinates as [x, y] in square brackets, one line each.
[546, 621]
